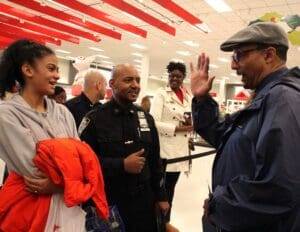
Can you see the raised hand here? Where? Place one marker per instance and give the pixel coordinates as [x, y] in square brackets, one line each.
[200, 82]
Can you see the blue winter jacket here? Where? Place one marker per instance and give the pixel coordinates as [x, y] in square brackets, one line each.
[256, 172]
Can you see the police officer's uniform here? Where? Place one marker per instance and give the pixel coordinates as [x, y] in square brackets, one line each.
[114, 133]
[80, 106]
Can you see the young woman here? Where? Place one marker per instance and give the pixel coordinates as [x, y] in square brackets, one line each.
[171, 110]
[29, 116]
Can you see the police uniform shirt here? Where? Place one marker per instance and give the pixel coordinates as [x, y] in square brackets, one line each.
[80, 106]
[114, 133]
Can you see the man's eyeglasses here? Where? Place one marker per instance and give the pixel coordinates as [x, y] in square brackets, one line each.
[238, 55]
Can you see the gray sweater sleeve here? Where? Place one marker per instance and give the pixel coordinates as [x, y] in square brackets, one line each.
[17, 145]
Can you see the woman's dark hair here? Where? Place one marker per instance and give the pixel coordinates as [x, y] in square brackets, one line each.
[176, 66]
[14, 56]
[57, 90]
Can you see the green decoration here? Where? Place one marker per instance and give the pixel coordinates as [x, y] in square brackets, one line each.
[293, 21]
[294, 38]
[271, 17]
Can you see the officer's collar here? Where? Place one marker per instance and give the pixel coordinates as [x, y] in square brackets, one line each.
[86, 99]
[118, 109]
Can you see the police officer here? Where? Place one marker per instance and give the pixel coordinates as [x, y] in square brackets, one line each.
[126, 141]
[94, 89]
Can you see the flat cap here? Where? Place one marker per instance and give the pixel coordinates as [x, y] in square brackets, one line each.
[257, 33]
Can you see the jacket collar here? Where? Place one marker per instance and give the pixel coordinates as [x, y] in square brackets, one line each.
[174, 97]
[118, 109]
[271, 80]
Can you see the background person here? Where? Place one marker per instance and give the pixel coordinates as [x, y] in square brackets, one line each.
[170, 105]
[146, 103]
[256, 178]
[59, 95]
[94, 89]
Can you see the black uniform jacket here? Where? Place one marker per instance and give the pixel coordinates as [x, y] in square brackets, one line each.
[114, 133]
[80, 106]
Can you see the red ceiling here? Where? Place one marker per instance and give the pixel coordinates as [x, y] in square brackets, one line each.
[17, 23]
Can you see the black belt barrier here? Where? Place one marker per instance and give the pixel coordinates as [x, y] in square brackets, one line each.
[190, 157]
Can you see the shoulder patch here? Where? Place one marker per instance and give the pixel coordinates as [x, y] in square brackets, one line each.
[84, 123]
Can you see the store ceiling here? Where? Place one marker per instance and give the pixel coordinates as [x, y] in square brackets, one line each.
[80, 29]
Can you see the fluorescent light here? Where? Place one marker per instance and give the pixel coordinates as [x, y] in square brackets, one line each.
[71, 57]
[225, 60]
[137, 61]
[96, 49]
[183, 53]
[219, 5]
[213, 66]
[202, 27]
[106, 62]
[61, 57]
[131, 16]
[104, 57]
[137, 54]
[177, 60]
[57, 4]
[191, 43]
[130, 33]
[62, 51]
[137, 46]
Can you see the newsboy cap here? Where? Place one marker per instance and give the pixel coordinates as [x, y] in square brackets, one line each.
[257, 33]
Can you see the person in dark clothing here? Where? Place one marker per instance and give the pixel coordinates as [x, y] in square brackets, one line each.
[59, 95]
[94, 89]
[256, 177]
[125, 139]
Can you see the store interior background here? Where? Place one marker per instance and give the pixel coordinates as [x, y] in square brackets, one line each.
[202, 30]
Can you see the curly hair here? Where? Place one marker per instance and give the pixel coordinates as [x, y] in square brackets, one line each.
[176, 66]
[18, 53]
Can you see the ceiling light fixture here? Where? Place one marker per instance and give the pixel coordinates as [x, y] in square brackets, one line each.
[131, 16]
[106, 62]
[96, 49]
[191, 43]
[225, 60]
[203, 27]
[219, 5]
[137, 54]
[62, 51]
[130, 33]
[103, 57]
[183, 53]
[137, 61]
[214, 66]
[177, 60]
[138, 46]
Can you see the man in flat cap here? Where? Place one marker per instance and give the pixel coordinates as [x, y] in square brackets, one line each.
[256, 172]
